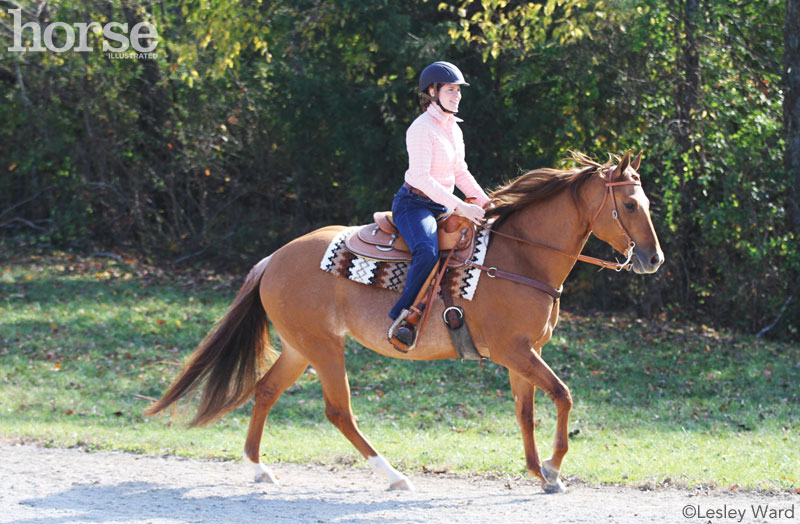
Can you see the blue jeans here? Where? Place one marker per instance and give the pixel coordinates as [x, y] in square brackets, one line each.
[415, 218]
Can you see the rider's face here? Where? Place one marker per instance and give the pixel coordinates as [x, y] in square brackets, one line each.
[450, 96]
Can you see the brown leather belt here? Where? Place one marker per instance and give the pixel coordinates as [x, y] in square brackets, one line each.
[415, 190]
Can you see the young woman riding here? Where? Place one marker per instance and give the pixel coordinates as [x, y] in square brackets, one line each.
[435, 165]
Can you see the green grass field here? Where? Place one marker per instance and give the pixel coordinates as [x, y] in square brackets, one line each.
[84, 342]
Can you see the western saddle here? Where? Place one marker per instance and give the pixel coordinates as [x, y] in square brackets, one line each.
[381, 240]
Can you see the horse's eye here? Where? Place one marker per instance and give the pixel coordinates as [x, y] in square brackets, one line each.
[630, 206]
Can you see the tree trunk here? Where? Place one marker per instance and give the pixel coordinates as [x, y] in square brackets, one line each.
[154, 100]
[791, 105]
[687, 76]
[690, 83]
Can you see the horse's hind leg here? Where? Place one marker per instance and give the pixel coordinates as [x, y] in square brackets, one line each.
[336, 389]
[286, 370]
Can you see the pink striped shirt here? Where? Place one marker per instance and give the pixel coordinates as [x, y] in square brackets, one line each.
[436, 159]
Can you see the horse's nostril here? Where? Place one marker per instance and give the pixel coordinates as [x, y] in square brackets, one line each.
[656, 260]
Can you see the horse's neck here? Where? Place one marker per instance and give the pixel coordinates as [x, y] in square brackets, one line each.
[555, 223]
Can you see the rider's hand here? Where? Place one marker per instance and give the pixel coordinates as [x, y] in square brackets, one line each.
[470, 211]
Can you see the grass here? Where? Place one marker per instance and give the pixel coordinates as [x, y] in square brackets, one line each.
[85, 341]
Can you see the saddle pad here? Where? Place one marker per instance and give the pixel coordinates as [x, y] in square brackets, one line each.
[338, 260]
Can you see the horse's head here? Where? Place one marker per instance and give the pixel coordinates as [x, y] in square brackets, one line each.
[623, 218]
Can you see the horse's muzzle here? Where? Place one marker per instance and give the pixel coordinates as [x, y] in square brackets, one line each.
[644, 263]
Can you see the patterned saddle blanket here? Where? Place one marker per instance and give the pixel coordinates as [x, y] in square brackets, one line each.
[391, 274]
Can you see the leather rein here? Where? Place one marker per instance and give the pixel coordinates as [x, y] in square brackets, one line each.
[604, 264]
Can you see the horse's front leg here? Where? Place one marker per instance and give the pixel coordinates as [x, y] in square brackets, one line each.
[524, 362]
[524, 405]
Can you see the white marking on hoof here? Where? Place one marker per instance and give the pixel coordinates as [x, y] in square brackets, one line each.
[261, 472]
[396, 479]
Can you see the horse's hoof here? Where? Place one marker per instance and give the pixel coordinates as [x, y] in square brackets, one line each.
[262, 472]
[556, 487]
[402, 484]
[266, 476]
[551, 482]
[549, 473]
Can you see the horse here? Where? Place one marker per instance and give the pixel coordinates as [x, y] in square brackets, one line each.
[543, 219]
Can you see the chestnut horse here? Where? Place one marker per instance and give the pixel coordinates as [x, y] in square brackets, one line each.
[313, 311]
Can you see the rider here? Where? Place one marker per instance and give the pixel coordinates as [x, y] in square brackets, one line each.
[435, 165]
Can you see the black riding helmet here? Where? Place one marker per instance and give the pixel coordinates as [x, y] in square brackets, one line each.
[440, 73]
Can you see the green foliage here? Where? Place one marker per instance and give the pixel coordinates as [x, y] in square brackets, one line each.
[499, 26]
[719, 186]
[85, 342]
[259, 121]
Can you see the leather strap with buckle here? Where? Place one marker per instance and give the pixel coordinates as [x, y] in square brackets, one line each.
[494, 272]
[415, 190]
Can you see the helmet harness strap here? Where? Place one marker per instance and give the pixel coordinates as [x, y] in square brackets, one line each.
[444, 108]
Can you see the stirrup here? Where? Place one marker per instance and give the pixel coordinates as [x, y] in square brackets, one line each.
[393, 328]
[405, 334]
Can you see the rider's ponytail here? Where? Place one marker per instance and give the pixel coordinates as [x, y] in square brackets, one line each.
[425, 99]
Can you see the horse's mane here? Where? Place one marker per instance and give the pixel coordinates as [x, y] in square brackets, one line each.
[542, 184]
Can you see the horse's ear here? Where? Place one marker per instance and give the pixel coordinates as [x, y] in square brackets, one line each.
[637, 161]
[622, 166]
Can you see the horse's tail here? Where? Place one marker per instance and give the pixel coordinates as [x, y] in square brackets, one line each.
[229, 360]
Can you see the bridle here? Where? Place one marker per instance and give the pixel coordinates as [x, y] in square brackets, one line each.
[610, 185]
[604, 264]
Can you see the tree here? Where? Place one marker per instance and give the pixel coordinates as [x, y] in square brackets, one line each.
[791, 105]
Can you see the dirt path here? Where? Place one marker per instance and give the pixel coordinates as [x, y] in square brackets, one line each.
[46, 486]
